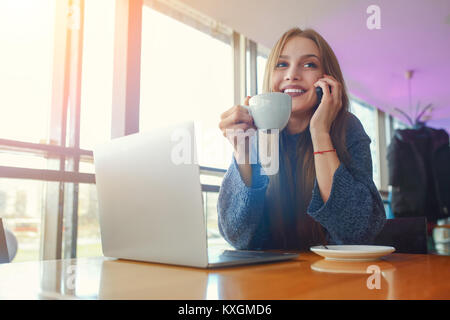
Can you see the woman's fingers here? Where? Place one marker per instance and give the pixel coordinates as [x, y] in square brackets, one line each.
[234, 108]
[239, 135]
[336, 87]
[227, 113]
[326, 91]
[237, 129]
[236, 124]
[239, 115]
[241, 128]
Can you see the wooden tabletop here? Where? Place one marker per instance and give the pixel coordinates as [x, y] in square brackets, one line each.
[402, 276]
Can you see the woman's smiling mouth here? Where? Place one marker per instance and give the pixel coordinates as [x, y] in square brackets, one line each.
[294, 92]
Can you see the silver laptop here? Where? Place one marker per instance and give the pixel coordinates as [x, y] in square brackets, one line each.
[150, 202]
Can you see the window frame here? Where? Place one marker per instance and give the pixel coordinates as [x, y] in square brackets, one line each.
[64, 128]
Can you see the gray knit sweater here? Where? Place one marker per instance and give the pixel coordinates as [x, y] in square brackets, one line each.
[353, 214]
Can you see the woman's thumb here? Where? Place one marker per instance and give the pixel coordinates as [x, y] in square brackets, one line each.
[247, 98]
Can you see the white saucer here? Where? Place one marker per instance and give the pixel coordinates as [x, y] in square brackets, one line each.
[353, 252]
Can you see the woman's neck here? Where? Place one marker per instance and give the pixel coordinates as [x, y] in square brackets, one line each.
[298, 123]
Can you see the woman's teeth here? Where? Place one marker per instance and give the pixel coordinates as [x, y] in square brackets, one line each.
[294, 90]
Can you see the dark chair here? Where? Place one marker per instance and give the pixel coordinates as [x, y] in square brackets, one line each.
[406, 235]
[4, 256]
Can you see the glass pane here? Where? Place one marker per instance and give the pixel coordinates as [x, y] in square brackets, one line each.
[367, 116]
[260, 69]
[88, 243]
[26, 61]
[69, 208]
[210, 179]
[186, 75]
[210, 207]
[247, 72]
[21, 207]
[22, 160]
[397, 124]
[87, 166]
[97, 73]
[89, 240]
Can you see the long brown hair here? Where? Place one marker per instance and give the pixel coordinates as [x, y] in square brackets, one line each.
[287, 202]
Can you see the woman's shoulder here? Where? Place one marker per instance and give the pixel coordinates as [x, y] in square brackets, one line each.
[354, 130]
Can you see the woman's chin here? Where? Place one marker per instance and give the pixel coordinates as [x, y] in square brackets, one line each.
[301, 109]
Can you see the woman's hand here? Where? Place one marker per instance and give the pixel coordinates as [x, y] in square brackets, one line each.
[329, 107]
[234, 122]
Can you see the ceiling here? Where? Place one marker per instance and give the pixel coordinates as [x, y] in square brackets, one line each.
[413, 35]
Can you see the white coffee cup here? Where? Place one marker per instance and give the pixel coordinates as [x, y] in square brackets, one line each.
[270, 110]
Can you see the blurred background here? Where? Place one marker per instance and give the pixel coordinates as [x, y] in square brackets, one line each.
[76, 73]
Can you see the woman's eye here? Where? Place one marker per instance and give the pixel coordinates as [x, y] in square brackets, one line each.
[312, 64]
[285, 64]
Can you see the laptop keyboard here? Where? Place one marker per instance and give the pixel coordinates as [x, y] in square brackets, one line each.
[224, 257]
[247, 254]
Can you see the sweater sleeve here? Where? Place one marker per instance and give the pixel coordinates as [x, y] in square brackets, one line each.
[240, 208]
[354, 212]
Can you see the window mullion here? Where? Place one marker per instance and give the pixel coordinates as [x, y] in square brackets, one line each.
[51, 235]
[253, 75]
[76, 29]
[127, 67]
[238, 45]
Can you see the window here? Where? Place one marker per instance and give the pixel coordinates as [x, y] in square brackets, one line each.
[95, 127]
[187, 79]
[88, 241]
[248, 71]
[261, 61]
[20, 160]
[97, 72]
[215, 239]
[26, 60]
[186, 75]
[397, 124]
[34, 190]
[22, 204]
[261, 67]
[26, 63]
[367, 115]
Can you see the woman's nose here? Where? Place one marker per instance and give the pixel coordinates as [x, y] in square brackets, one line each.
[292, 74]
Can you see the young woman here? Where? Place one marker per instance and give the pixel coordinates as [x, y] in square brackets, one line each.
[323, 191]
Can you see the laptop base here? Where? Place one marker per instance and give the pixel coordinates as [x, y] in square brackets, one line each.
[225, 258]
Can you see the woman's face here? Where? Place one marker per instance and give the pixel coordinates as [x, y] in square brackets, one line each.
[296, 71]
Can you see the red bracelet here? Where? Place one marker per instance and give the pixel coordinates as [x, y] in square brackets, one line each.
[320, 152]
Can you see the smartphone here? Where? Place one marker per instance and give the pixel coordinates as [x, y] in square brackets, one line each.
[319, 92]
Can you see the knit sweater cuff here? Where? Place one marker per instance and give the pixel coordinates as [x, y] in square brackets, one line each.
[240, 207]
[260, 180]
[322, 212]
